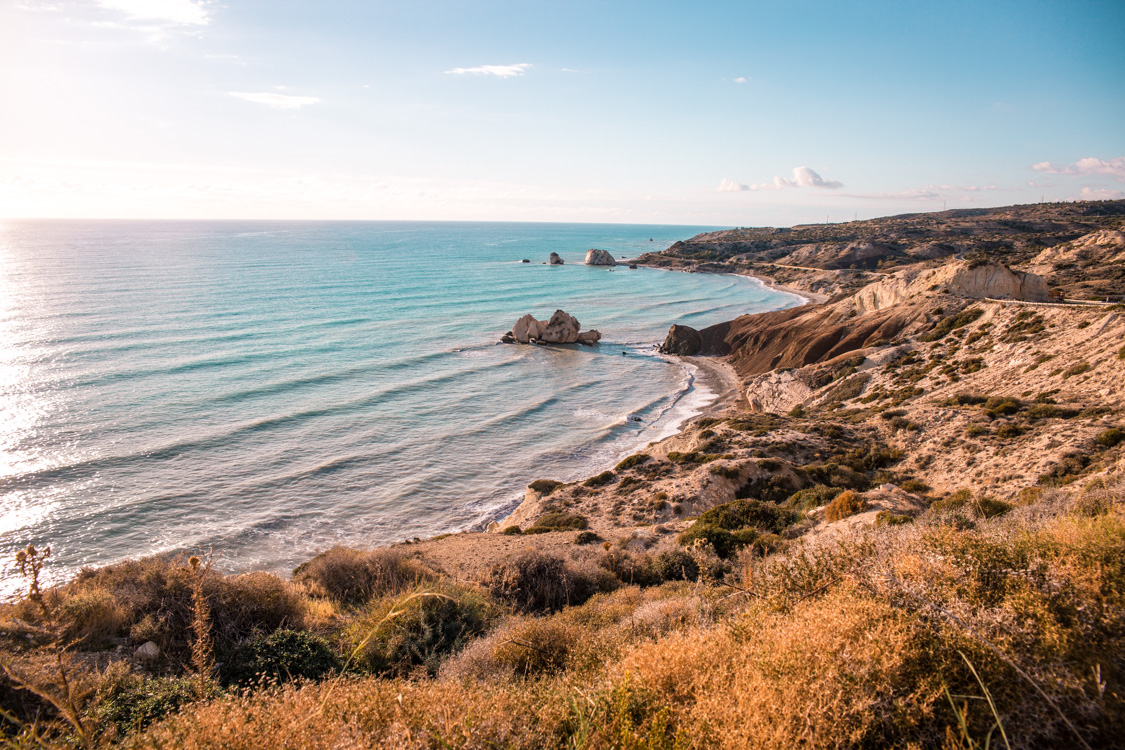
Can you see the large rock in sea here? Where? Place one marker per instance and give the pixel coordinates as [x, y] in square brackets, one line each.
[589, 338]
[555, 260]
[683, 341]
[525, 329]
[560, 329]
[595, 257]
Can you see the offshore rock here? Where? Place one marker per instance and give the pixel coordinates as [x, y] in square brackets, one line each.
[589, 338]
[595, 257]
[683, 341]
[525, 329]
[560, 329]
[555, 260]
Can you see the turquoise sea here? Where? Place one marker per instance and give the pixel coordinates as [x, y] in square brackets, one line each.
[270, 389]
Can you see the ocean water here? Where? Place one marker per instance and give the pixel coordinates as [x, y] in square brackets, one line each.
[270, 389]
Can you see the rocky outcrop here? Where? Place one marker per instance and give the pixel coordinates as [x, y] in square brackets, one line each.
[595, 257]
[562, 328]
[589, 338]
[777, 392]
[555, 260]
[989, 280]
[682, 341]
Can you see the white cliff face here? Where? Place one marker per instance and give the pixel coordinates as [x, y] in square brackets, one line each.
[596, 257]
[987, 281]
[776, 392]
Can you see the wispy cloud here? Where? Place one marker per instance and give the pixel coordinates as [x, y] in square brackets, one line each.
[730, 186]
[1101, 194]
[1089, 165]
[741, 79]
[280, 101]
[927, 193]
[182, 12]
[500, 71]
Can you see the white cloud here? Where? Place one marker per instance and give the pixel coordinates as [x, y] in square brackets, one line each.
[185, 12]
[730, 186]
[1101, 194]
[1089, 165]
[803, 177]
[500, 71]
[741, 79]
[281, 101]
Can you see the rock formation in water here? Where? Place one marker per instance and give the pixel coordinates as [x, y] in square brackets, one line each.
[555, 260]
[595, 257]
[683, 341]
[560, 329]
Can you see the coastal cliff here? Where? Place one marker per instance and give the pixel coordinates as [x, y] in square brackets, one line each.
[911, 490]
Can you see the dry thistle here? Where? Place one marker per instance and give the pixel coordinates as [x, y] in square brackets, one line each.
[202, 653]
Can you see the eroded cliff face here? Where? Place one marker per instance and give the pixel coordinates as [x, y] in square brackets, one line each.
[961, 279]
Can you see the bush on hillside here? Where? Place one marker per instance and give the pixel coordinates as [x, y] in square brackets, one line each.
[535, 581]
[417, 629]
[353, 576]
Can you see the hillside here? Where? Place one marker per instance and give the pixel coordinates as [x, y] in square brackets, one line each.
[1076, 247]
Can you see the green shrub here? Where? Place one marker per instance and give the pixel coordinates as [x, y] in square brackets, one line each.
[739, 514]
[1007, 431]
[535, 581]
[129, 702]
[965, 399]
[631, 569]
[797, 411]
[915, 486]
[812, 497]
[353, 576]
[947, 325]
[635, 460]
[676, 565]
[600, 480]
[558, 520]
[587, 537]
[1077, 369]
[545, 486]
[736, 524]
[1121, 353]
[975, 430]
[1002, 406]
[1111, 437]
[886, 518]
[727, 472]
[397, 635]
[281, 656]
[512, 530]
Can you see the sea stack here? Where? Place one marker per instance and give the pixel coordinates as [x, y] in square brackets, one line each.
[562, 328]
[595, 257]
[555, 260]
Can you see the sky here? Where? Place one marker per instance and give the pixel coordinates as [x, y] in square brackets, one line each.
[706, 113]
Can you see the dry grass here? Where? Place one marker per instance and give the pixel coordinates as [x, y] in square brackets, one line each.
[843, 640]
[354, 576]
